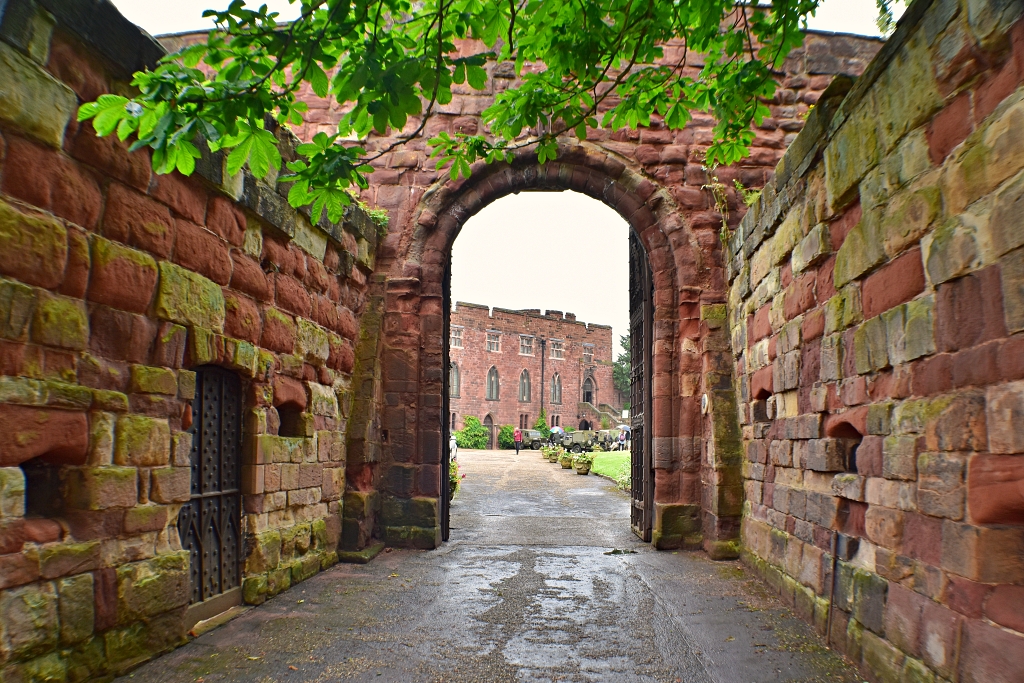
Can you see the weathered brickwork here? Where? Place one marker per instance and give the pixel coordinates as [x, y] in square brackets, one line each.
[569, 366]
[876, 309]
[116, 286]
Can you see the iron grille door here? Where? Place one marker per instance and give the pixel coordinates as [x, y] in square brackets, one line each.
[640, 317]
[209, 524]
[446, 405]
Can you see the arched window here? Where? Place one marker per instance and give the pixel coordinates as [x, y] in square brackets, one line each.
[453, 380]
[524, 387]
[492, 384]
[588, 391]
[556, 388]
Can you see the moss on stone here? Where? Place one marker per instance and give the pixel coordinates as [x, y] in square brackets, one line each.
[60, 321]
[152, 380]
[189, 298]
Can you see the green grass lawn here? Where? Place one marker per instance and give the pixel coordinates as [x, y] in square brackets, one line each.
[611, 464]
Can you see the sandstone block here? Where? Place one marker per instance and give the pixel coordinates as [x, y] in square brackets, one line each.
[323, 400]
[60, 321]
[1002, 230]
[100, 488]
[899, 457]
[143, 518]
[142, 441]
[848, 485]
[812, 249]
[122, 278]
[187, 298]
[843, 310]
[28, 620]
[151, 380]
[146, 589]
[17, 306]
[1012, 276]
[1004, 414]
[853, 151]
[33, 100]
[33, 248]
[101, 438]
[990, 654]
[940, 485]
[25, 433]
[68, 558]
[826, 455]
[884, 526]
[311, 342]
[870, 346]
[75, 608]
[12, 492]
[786, 372]
[170, 485]
[988, 555]
[861, 251]
[996, 489]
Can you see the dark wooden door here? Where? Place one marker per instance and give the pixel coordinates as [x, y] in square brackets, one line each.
[210, 523]
[641, 294]
[446, 412]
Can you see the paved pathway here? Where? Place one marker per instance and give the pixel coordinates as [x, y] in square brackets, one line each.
[523, 592]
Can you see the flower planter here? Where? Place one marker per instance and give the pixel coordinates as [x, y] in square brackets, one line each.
[583, 468]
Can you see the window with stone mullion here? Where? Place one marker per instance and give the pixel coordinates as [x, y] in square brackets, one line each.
[556, 388]
[524, 386]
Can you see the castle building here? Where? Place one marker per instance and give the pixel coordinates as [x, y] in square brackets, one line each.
[507, 366]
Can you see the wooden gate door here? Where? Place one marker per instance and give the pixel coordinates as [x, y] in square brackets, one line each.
[209, 524]
[641, 292]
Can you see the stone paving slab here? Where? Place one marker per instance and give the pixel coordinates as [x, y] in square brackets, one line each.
[524, 592]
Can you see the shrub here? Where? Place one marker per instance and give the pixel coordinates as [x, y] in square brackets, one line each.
[541, 425]
[473, 435]
[570, 430]
[505, 439]
[605, 422]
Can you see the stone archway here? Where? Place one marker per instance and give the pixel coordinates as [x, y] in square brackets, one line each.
[653, 177]
[687, 297]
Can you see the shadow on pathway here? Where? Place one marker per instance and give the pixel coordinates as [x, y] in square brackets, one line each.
[524, 591]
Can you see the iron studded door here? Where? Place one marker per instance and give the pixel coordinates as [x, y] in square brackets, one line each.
[209, 524]
[640, 322]
[446, 408]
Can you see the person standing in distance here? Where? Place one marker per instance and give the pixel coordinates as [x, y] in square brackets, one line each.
[517, 436]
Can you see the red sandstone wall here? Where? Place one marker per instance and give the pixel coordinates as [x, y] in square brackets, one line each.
[115, 285]
[474, 361]
[877, 308]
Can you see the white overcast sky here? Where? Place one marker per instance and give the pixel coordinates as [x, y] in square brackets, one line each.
[160, 16]
[547, 250]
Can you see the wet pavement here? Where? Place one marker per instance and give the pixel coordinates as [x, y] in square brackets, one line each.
[524, 591]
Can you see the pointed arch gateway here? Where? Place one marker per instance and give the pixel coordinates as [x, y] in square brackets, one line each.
[684, 277]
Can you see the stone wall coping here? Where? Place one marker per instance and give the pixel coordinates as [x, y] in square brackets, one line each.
[126, 48]
[835, 105]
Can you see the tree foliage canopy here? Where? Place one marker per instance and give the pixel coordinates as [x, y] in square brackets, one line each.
[621, 366]
[390, 63]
